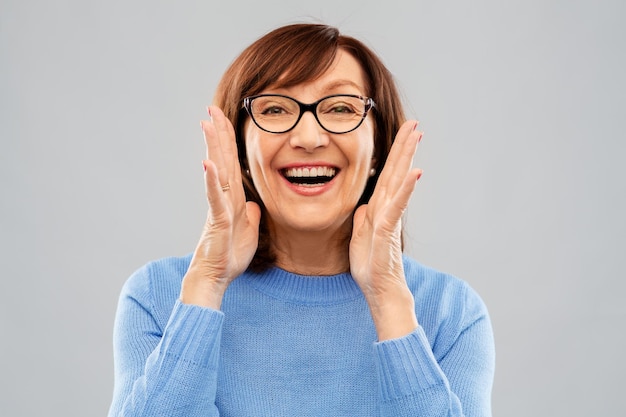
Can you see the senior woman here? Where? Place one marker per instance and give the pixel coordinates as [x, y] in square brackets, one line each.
[298, 300]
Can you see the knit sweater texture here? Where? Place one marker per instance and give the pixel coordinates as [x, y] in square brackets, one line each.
[291, 345]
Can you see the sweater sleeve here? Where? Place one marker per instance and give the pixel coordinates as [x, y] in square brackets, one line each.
[417, 380]
[170, 371]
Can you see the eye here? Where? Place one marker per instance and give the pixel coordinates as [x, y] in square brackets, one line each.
[273, 107]
[270, 110]
[341, 108]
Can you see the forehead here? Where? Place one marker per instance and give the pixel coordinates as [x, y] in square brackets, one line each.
[345, 74]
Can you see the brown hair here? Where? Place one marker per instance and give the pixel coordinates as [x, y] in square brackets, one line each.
[291, 55]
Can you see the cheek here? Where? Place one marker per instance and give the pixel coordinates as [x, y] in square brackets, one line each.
[260, 151]
[365, 145]
[252, 143]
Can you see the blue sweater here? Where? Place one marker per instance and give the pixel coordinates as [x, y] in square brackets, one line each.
[292, 345]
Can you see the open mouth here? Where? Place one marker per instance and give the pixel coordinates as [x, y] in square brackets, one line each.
[309, 176]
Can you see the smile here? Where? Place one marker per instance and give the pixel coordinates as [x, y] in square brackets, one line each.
[309, 176]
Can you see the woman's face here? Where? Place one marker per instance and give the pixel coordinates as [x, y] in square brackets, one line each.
[277, 162]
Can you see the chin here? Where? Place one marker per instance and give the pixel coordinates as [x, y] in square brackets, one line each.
[311, 221]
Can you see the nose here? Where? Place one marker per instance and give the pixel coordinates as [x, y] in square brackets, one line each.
[308, 134]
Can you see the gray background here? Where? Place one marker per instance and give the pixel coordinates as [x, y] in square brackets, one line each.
[523, 192]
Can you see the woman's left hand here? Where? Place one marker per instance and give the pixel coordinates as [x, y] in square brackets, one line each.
[376, 243]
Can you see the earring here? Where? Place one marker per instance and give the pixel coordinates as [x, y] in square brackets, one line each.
[372, 172]
[248, 172]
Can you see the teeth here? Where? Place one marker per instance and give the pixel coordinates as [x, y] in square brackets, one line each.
[310, 172]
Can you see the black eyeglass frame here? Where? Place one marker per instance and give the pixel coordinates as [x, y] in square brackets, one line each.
[312, 107]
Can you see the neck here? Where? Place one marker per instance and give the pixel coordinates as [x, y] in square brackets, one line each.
[312, 252]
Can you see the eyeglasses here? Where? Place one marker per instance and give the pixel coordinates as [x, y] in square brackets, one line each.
[339, 113]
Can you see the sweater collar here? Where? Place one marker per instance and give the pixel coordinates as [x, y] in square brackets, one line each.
[304, 289]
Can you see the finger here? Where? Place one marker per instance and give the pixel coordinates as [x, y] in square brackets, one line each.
[359, 216]
[229, 146]
[400, 158]
[214, 150]
[218, 210]
[401, 199]
[253, 211]
[228, 143]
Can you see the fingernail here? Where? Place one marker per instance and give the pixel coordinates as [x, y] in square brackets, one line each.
[204, 165]
[415, 125]
[420, 137]
[208, 110]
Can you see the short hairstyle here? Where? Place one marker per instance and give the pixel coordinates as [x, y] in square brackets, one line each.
[291, 55]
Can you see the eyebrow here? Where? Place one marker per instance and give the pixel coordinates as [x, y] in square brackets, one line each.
[328, 89]
[342, 83]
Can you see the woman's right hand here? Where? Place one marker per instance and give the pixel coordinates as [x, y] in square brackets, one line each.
[231, 232]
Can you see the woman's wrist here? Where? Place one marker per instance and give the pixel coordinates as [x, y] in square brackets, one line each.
[393, 313]
[202, 291]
